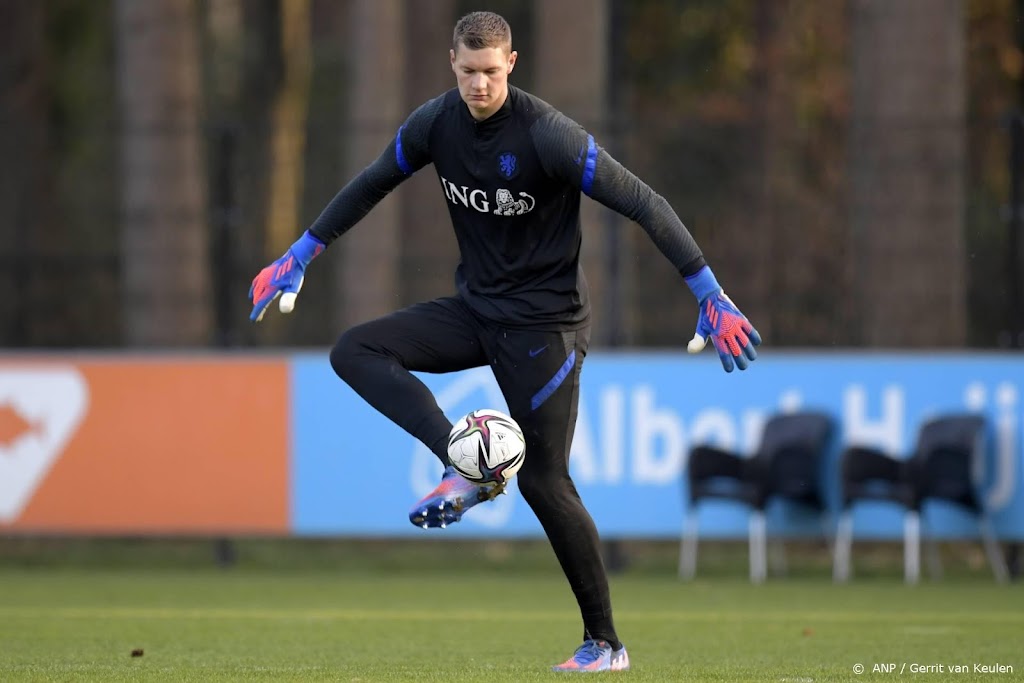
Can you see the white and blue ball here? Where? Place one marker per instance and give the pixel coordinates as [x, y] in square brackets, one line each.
[486, 446]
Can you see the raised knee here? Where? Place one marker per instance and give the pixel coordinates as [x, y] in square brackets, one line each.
[346, 350]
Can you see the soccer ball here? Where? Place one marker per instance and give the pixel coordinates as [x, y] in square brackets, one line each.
[486, 446]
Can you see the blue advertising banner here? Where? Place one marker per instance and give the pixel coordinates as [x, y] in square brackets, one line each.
[355, 473]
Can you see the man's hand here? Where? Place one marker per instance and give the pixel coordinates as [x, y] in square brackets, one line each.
[283, 277]
[719, 320]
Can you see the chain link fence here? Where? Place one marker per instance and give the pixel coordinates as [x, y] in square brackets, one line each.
[752, 148]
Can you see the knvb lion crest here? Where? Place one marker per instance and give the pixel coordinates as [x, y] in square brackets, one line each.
[508, 165]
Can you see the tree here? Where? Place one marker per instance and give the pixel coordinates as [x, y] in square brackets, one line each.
[288, 119]
[369, 264]
[784, 260]
[907, 172]
[165, 260]
[26, 183]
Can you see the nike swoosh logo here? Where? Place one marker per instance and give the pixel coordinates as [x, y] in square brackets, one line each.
[536, 352]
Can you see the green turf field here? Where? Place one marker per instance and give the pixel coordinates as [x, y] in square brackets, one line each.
[363, 624]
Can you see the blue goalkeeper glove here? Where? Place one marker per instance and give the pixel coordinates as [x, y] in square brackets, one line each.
[283, 277]
[719, 319]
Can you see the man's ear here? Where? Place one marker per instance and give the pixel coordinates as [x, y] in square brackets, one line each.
[512, 61]
[451, 57]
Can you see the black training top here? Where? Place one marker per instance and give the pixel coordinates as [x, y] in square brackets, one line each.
[512, 184]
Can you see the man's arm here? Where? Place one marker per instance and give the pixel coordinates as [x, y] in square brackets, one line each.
[407, 153]
[568, 153]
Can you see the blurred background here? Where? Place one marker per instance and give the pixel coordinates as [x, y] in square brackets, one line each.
[177, 480]
[851, 168]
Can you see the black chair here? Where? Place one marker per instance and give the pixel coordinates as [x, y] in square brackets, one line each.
[939, 469]
[787, 464]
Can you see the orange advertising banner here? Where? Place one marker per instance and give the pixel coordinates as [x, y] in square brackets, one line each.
[163, 445]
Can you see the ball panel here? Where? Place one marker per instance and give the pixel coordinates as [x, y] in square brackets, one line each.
[464, 455]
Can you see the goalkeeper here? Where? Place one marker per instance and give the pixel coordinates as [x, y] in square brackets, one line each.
[512, 169]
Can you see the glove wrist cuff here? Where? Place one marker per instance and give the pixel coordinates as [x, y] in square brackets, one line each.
[703, 284]
[306, 248]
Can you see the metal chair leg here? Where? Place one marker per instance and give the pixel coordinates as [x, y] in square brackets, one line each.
[843, 543]
[993, 551]
[912, 546]
[688, 546]
[758, 550]
[932, 555]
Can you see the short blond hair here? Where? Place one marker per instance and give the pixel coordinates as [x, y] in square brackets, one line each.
[478, 30]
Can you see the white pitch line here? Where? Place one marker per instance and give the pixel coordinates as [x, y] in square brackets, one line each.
[87, 612]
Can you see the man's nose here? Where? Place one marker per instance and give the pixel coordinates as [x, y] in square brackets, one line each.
[479, 82]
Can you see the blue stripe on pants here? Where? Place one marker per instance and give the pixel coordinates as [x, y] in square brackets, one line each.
[554, 382]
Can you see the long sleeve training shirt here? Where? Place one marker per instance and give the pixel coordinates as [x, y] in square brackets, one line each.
[512, 183]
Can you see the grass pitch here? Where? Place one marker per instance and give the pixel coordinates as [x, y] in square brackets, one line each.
[363, 624]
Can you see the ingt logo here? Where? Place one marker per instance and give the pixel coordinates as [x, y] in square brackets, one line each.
[39, 411]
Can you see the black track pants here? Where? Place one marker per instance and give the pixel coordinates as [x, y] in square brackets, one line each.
[538, 373]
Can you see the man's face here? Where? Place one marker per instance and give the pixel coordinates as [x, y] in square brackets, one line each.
[483, 78]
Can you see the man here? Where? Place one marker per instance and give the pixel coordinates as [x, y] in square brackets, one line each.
[512, 169]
